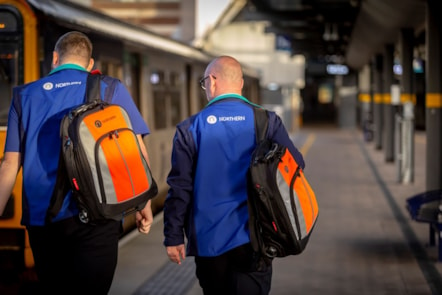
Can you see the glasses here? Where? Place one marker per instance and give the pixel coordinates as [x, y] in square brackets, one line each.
[203, 81]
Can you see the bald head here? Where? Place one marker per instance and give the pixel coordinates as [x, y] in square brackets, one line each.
[226, 77]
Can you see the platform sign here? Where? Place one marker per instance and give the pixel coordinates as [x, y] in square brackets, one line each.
[336, 69]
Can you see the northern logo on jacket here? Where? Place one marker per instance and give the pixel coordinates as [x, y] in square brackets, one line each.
[65, 84]
[48, 86]
[211, 119]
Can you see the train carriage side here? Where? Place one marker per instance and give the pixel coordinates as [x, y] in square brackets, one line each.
[18, 65]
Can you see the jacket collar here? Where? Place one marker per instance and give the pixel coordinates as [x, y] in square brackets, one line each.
[230, 95]
[67, 66]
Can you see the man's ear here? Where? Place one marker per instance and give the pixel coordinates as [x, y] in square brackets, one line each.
[55, 59]
[91, 65]
[212, 86]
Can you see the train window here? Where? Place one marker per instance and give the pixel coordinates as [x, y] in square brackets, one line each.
[157, 77]
[8, 77]
[132, 78]
[175, 98]
[167, 90]
[11, 58]
[175, 107]
[159, 98]
[8, 22]
[174, 79]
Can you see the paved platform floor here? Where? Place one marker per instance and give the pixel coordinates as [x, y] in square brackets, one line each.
[364, 243]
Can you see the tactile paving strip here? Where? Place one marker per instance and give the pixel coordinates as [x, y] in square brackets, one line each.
[171, 279]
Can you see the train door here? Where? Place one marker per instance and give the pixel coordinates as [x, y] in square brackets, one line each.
[166, 84]
[18, 65]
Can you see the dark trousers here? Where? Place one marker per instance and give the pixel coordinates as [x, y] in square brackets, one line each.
[75, 258]
[237, 272]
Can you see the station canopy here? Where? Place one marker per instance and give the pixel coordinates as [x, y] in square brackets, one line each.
[349, 31]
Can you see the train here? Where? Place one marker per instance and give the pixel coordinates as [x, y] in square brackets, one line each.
[161, 74]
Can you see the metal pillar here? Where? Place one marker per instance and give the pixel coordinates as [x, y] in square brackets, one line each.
[377, 102]
[407, 143]
[347, 100]
[364, 98]
[408, 99]
[433, 76]
[388, 107]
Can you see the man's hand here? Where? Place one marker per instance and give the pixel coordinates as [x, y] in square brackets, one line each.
[144, 218]
[176, 253]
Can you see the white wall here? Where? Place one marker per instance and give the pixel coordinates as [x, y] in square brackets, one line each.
[248, 43]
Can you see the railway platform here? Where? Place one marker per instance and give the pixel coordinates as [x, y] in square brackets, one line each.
[365, 241]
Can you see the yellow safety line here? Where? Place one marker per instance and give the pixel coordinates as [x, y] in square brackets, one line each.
[378, 98]
[308, 143]
[408, 97]
[433, 100]
[386, 97]
[364, 97]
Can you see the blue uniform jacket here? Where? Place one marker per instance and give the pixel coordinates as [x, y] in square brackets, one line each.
[211, 154]
[34, 130]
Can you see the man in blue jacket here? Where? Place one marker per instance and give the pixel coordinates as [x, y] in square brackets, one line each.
[207, 199]
[70, 257]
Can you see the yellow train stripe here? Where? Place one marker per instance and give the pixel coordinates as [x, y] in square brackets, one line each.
[386, 98]
[433, 100]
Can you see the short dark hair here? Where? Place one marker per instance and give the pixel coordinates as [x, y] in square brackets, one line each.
[74, 44]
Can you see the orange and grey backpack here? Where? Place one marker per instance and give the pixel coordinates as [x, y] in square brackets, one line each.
[282, 206]
[101, 161]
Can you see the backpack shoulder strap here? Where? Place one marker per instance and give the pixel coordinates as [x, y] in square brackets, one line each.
[60, 191]
[111, 86]
[93, 88]
[261, 124]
